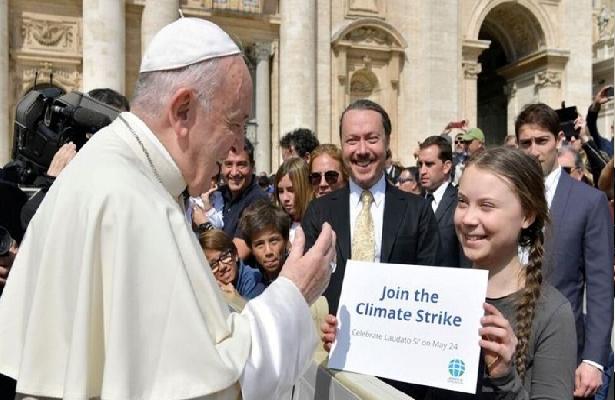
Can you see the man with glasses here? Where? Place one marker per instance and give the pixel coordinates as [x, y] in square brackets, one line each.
[474, 141]
[579, 243]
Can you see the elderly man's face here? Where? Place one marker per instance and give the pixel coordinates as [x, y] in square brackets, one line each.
[221, 127]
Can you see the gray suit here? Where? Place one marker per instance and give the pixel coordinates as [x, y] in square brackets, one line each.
[579, 250]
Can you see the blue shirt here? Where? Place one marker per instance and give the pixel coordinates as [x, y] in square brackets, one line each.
[249, 282]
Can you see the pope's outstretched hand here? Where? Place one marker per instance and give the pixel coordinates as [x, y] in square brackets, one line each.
[311, 271]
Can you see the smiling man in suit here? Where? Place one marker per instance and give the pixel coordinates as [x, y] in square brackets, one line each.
[435, 163]
[374, 221]
[579, 244]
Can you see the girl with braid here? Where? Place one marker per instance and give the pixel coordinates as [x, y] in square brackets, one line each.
[528, 337]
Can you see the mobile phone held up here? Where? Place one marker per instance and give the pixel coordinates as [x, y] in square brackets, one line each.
[610, 92]
[567, 116]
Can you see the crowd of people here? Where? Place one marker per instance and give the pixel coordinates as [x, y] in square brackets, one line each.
[176, 194]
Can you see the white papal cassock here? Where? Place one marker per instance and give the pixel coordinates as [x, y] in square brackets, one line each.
[110, 295]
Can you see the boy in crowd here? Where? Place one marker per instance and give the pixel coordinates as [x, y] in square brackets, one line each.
[265, 229]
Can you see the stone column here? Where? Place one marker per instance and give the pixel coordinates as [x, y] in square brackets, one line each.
[5, 132]
[470, 91]
[156, 14]
[297, 64]
[471, 68]
[262, 51]
[104, 44]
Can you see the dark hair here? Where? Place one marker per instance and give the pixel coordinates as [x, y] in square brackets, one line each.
[524, 176]
[248, 147]
[538, 114]
[261, 215]
[285, 141]
[263, 181]
[365, 104]
[445, 151]
[302, 139]
[110, 97]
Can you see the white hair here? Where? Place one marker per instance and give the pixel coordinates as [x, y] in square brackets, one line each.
[154, 89]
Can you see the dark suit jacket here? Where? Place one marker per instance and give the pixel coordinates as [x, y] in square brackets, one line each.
[451, 254]
[409, 232]
[579, 250]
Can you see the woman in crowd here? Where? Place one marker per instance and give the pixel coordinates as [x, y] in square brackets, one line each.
[232, 275]
[292, 190]
[528, 337]
[327, 172]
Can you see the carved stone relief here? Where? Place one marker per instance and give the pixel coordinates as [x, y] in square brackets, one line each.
[471, 70]
[363, 83]
[369, 35]
[546, 79]
[49, 33]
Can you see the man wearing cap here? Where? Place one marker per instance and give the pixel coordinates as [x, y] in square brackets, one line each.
[110, 295]
[474, 140]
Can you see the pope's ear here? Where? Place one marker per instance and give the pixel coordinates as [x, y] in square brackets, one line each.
[181, 111]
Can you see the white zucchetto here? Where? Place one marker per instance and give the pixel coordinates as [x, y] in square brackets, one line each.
[185, 42]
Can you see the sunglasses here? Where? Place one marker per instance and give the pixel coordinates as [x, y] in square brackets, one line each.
[460, 140]
[568, 169]
[331, 177]
[225, 258]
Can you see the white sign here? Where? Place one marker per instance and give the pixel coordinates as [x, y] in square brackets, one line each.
[411, 323]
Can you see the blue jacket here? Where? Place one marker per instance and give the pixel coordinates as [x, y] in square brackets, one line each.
[249, 282]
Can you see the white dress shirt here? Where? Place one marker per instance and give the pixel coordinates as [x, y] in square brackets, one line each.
[377, 210]
[437, 195]
[551, 184]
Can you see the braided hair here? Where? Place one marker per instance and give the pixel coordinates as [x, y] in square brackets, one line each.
[524, 175]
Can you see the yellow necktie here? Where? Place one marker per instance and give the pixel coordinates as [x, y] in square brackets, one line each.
[363, 241]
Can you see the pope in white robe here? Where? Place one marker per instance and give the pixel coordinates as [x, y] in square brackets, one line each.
[110, 295]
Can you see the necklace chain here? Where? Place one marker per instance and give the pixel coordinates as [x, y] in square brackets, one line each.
[138, 139]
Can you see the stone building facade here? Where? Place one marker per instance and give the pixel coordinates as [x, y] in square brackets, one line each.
[428, 62]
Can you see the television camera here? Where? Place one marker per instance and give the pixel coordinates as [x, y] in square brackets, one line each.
[46, 119]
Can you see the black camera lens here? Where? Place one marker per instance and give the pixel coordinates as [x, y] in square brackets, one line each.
[5, 241]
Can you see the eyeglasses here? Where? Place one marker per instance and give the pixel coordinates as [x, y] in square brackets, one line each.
[331, 177]
[225, 258]
[459, 140]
